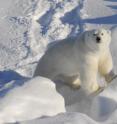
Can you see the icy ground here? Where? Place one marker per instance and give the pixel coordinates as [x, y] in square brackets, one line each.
[26, 28]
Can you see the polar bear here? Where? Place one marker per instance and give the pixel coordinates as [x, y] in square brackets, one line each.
[79, 60]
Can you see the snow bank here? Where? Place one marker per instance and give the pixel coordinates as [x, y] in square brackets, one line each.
[101, 109]
[36, 98]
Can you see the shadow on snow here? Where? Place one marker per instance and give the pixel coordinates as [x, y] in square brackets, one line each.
[102, 20]
[10, 79]
[112, 19]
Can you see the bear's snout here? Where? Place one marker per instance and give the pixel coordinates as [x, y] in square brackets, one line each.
[98, 39]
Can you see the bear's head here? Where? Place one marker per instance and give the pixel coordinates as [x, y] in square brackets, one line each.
[98, 38]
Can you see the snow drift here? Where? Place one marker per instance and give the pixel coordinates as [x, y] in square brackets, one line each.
[36, 98]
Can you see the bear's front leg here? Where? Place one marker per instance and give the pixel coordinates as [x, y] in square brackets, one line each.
[106, 68]
[89, 78]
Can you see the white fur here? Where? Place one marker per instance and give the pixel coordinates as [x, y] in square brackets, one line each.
[77, 61]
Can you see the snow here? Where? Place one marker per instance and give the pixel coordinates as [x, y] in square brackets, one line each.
[26, 28]
[69, 118]
[100, 14]
[36, 98]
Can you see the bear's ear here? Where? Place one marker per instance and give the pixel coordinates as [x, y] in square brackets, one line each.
[109, 32]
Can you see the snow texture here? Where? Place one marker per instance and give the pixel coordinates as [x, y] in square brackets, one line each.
[35, 98]
[26, 28]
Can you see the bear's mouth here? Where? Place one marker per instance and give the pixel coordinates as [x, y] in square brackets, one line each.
[98, 39]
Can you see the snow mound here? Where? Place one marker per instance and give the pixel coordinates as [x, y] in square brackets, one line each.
[36, 98]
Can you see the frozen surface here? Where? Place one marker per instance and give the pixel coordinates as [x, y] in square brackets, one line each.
[26, 28]
[35, 98]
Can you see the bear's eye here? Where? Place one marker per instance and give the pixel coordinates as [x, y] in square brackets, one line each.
[102, 34]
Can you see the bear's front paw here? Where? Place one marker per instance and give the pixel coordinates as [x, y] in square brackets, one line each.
[96, 89]
[110, 77]
[100, 89]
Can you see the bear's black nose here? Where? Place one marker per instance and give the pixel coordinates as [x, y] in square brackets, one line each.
[98, 39]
